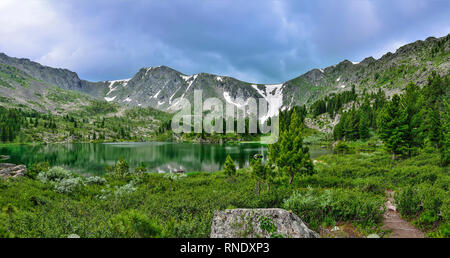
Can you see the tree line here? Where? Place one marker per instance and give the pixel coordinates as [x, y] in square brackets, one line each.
[406, 123]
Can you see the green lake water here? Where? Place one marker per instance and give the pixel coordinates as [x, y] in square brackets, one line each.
[91, 158]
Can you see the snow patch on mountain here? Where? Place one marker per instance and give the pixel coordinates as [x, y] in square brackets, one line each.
[156, 95]
[110, 99]
[111, 84]
[230, 100]
[192, 78]
[171, 97]
[274, 97]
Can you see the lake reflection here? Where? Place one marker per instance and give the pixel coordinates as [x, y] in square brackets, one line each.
[161, 157]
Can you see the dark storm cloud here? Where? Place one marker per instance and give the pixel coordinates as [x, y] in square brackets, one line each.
[258, 41]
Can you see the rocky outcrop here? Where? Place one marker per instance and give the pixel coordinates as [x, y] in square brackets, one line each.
[259, 223]
[12, 170]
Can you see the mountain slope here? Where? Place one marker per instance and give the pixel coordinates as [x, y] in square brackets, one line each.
[412, 62]
[18, 89]
[158, 87]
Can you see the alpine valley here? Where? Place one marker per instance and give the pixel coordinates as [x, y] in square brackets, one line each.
[363, 151]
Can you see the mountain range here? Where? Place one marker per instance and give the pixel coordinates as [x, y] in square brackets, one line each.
[43, 88]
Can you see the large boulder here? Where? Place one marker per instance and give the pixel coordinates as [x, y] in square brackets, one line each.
[12, 170]
[259, 223]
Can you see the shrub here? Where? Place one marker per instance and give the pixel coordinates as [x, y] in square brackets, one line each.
[118, 191]
[316, 207]
[141, 168]
[62, 180]
[54, 174]
[408, 202]
[4, 226]
[132, 224]
[5, 220]
[341, 148]
[120, 170]
[95, 180]
[68, 185]
[37, 168]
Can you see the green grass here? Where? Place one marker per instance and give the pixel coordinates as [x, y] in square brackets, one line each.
[346, 188]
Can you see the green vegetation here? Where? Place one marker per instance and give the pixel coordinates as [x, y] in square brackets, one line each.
[414, 120]
[345, 188]
[229, 167]
[289, 154]
[10, 74]
[22, 125]
[333, 103]
[399, 143]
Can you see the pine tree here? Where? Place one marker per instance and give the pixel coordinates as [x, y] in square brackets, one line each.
[364, 124]
[259, 173]
[433, 93]
[229, 167]
[393, 127]
[445, 149]
[411, 102]
[289, 154]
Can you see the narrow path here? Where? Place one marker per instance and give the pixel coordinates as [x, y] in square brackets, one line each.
[392, 221]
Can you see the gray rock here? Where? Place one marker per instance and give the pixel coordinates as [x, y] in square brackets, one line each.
[12, 170]
[248, 223]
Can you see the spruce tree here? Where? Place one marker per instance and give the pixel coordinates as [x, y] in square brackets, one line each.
[445, 149]
[289, 154]
[229, 167]
[393, 127]
[259, 173]
[412, 102]
[364, 124]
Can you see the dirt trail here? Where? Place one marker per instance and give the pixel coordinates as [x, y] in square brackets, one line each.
[392, 221]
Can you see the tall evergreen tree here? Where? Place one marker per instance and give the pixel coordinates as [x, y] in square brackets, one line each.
[259, 173]
[289, 154]
[229, 167]
[364, 124]
[393, 127]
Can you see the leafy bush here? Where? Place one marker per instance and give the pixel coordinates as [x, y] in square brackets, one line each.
[331, 206]
[67, 185]
[408, 202]
[5, 220]
[54, 174]
[62, 180]
[133, 223]
[120, 170]
[141, 168]
[342, 148]
[37, 168]
[118, 191]
[95, 180]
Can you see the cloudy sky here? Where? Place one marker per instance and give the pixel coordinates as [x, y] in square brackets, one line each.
[252, 40]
